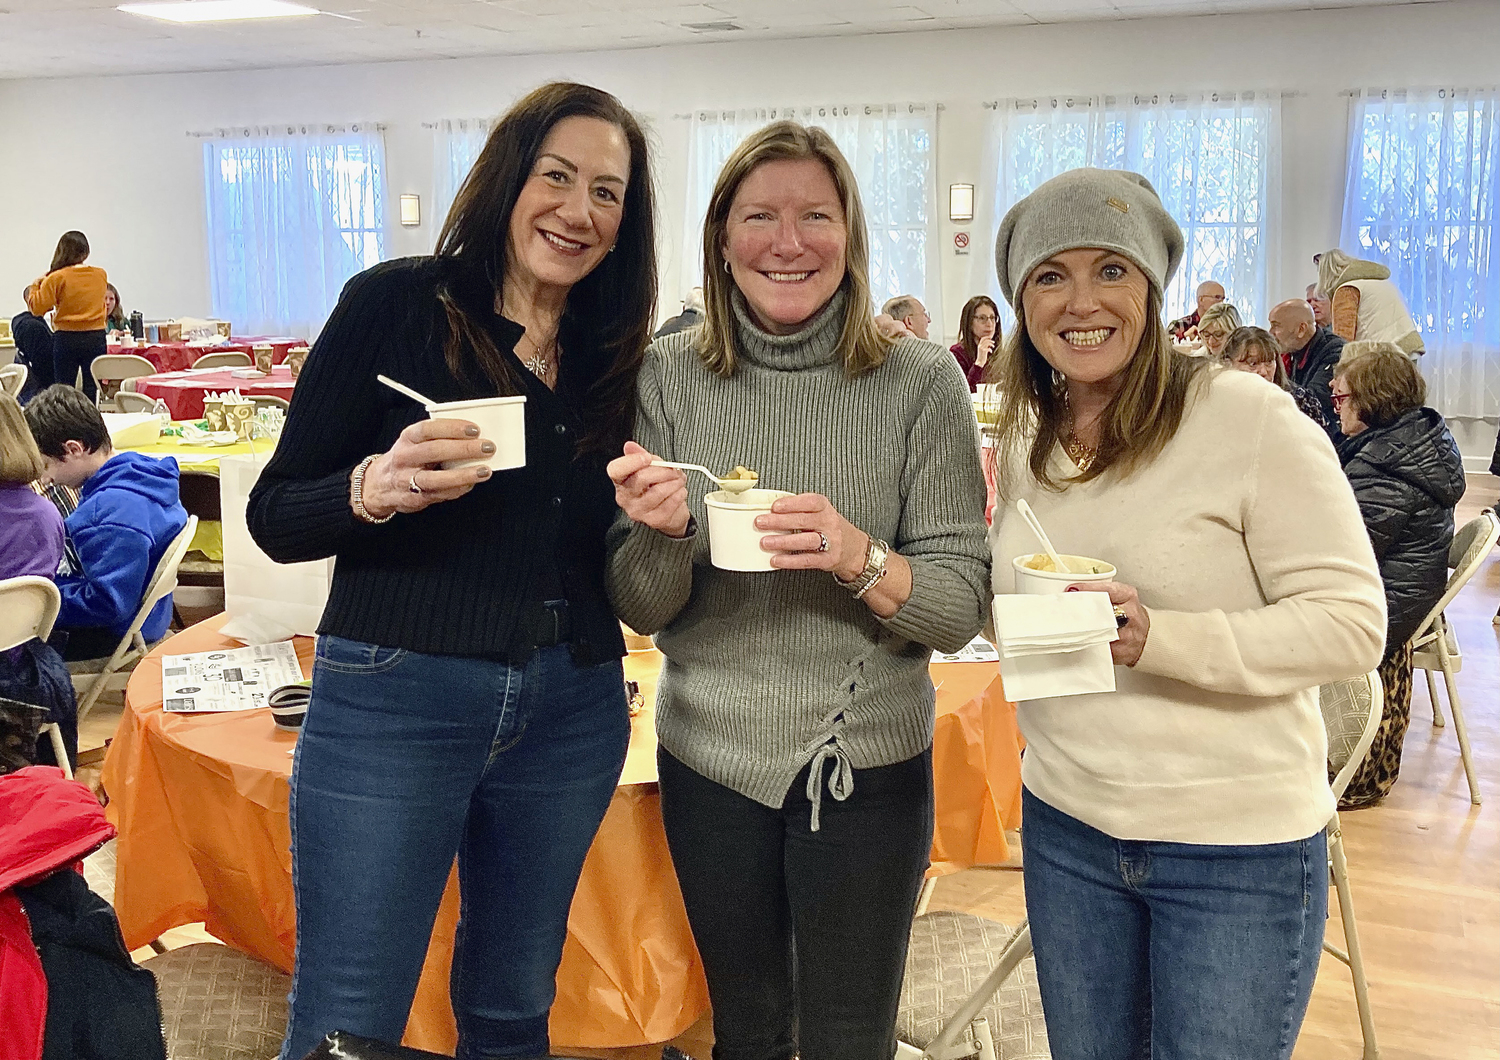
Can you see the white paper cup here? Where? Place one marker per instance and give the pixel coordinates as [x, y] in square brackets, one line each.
[733, 540]
[1046, 582]
[501, 420]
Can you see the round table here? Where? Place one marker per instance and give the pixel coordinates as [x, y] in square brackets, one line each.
[200, 802]
[183, 391]
[177, 356]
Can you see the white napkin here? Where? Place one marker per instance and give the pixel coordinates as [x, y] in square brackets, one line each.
[1055, 645]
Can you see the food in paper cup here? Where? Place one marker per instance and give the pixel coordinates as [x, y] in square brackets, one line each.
[501, 420]
[1036, 573]
[733, 538]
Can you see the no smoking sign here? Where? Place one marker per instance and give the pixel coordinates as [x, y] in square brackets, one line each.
[960, 242]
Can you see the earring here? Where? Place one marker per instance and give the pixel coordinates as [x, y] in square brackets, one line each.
[611, 249]
[727, 272]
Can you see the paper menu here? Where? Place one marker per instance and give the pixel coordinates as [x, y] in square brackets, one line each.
[977, 650]
[232, 679]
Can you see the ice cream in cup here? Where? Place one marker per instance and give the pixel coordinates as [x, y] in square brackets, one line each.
[501, 420]
[1037, 574]
[733, 539]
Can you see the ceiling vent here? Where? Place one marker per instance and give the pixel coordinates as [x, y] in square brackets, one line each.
[724, 26]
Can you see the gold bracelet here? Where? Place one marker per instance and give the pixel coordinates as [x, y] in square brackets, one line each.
[357, 493]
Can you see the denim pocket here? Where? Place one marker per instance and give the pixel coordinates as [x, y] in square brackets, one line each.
[356, 656]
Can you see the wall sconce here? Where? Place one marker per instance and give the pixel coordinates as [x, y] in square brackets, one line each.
[411, 210]
[960, 202]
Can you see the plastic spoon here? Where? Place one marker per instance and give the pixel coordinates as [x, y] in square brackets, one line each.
[728, 485]
[401, 388]
[1036, 528]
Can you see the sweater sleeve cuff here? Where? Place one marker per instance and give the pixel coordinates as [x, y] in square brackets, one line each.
[939, 612]
[313, 521]
[651, 575]
[1163, 654]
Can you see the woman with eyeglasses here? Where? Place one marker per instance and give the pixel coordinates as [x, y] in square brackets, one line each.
[978, 331]
[1407, 475]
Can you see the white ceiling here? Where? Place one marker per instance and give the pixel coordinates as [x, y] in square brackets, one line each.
[70, 38]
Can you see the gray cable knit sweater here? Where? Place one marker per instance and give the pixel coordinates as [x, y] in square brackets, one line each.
[767, 671]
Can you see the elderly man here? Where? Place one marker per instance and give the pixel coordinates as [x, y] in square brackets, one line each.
[1310, 353]
[1209, 293]
[690, 317]
[907, 310]
[1318, 303]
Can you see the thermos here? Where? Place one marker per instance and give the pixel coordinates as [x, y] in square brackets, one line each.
[137, 325]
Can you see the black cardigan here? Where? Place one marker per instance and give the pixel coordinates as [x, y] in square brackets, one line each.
[464, 577]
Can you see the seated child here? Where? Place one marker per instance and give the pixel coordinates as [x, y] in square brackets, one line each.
[128, 514]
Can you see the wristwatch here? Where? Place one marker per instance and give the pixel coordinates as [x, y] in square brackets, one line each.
[876, 555]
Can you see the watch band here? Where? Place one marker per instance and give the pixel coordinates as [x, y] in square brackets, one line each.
[877, 554]
[357, 493]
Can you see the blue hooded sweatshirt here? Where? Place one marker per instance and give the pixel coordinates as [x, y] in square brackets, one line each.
[128, 514]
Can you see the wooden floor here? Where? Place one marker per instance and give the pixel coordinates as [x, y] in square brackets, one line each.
[1424, 868]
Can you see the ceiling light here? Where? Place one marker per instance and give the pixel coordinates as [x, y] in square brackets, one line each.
[218, 10]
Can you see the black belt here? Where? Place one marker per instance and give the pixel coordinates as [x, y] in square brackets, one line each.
[554, 625]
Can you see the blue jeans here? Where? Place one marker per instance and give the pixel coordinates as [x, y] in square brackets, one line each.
[406, 759]
[1171, 951]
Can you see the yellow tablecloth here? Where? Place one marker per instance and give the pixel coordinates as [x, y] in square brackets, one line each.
[201, 805]
[209, 538]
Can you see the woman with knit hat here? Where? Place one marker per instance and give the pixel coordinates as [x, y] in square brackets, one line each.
[1176, 873]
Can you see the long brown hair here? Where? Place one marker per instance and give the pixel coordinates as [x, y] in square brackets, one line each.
[966, 323]
[616, 301]
[1137, 423]
[861, 346]
[72, 249]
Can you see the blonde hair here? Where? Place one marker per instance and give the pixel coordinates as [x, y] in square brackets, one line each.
[1331, 265]
[1223, 315]
[20, 459]
[1031, 415]
[861, 346]
[1383, 382]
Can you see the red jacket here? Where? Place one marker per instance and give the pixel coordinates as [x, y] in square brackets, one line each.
[47, 822]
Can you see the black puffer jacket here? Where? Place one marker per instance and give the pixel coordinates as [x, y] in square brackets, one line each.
[1407, 476]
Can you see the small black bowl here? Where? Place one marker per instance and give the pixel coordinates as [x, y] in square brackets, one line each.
[289, 705]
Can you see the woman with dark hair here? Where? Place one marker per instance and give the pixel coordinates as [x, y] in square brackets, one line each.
[115, 317]
[76, 292]
[1254, 350]
[467, 695]
[1407, 475]
[978, 329]
[1176, 871]
[795, 710]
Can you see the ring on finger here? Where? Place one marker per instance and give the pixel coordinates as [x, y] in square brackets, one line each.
[822, 541]
[1120, 616]
[414, 487]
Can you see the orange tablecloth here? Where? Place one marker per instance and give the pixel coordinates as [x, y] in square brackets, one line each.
[201, 805]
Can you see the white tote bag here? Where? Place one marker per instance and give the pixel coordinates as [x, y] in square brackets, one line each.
[287, 595]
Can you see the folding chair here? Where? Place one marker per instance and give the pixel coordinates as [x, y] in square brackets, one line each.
[13, 379]
[130, 401]
[132, 645]
[270, 401]
[112, 369]
[1351, 715]
[1434, 646]
[28, 608]
[224, 359]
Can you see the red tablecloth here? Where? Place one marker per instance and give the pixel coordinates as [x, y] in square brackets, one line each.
[183, 391]
[176, 356]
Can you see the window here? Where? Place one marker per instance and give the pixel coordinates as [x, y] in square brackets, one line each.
[456, 146]
[1209, 158]
[293, 213]
[1421, 198]
[891, 150]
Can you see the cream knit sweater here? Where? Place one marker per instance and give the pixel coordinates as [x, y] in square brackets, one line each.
[1247, 548]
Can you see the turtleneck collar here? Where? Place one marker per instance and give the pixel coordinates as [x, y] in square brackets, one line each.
[814, 346]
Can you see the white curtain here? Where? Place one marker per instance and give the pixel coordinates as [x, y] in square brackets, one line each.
[456, 144]
[892, 150]
[293, 212]
[1422, 197]
[1213, 158]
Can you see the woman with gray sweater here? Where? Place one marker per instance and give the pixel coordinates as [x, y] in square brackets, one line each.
[795, 711]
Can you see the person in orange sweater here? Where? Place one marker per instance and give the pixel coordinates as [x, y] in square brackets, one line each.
[76, 291]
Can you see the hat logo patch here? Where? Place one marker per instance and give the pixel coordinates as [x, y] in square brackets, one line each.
[1118, 204]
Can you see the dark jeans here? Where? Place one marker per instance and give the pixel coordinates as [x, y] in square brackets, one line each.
[1171, 951]
[803, 934]
[85, 642]
[406, 759]
[73, 352]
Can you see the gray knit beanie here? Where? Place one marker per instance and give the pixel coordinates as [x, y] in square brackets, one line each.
[1112, 209]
